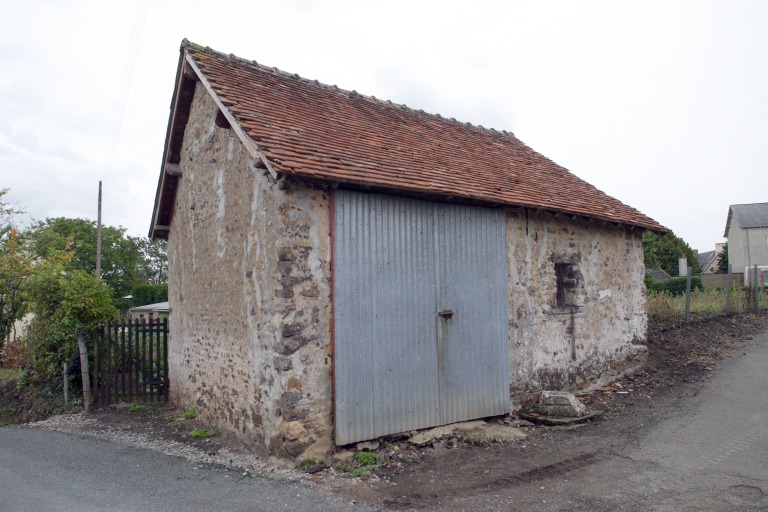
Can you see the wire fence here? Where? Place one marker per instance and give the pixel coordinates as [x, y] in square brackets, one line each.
[677, 301]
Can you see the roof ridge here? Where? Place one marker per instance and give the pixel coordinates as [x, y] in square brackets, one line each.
[749, 204]
[187, 44]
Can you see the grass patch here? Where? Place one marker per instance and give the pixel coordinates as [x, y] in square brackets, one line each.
[201, 433]
[11, 374]
[305, 463]
[136, 407]
[359, 471]
[364, 462]
[175, 422]
[665, 308]
[366, 458]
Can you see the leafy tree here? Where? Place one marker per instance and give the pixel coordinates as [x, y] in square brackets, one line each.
[665, 250]
[144, 294]
[62, 298]
[122, 257]
[722, 260]
[7, 213]
[15, 266]
[154, 263]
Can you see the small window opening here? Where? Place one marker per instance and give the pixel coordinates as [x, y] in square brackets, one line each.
[568, 279]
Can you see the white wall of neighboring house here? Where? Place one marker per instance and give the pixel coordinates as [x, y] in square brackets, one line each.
[19, 326]
[747, 248]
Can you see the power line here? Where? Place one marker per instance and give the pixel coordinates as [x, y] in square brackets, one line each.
[129, 64]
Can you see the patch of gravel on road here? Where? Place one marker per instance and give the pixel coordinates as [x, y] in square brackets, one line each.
[87, 425]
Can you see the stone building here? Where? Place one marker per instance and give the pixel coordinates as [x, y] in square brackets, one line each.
[342, 268]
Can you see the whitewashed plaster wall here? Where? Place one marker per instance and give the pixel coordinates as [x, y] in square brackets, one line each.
[601, 334]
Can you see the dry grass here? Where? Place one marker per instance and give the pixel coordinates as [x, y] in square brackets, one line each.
[665, 309]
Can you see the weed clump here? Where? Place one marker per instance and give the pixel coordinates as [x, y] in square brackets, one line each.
[201, 433]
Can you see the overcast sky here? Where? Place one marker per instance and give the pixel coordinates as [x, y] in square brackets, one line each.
[661, 104]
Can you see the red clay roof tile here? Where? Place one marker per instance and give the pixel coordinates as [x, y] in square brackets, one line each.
[316, 131]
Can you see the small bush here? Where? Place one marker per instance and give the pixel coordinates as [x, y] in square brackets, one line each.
[366, 458]
[201, 433]
[305, 463]
[674, 286]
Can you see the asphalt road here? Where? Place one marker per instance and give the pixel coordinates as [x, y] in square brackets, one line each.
[706, 449]
[49, 471]
[709, 452]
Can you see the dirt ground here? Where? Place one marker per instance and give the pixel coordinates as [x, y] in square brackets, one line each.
[443, 474]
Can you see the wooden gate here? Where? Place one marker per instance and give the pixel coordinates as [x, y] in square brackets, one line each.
[130, 361]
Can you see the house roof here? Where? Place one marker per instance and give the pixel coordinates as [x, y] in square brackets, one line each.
[300, 127]
[158, 307]
[749, 216]
[706, 259]
[658, 274]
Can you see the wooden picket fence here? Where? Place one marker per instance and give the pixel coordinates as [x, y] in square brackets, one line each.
[130, 361]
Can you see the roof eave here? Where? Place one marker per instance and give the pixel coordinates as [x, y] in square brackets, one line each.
[728, 223]
[155, 228]
[188, 70]
[418, 192]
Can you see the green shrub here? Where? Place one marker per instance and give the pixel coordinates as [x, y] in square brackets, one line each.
[201, 433]
[62, 300]
[674, 286]
[144, 294]
[366, 458]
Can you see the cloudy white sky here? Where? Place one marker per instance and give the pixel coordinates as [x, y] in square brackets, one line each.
[662, 104]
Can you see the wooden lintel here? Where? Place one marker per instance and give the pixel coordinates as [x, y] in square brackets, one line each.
[162, 228]
[173, 169]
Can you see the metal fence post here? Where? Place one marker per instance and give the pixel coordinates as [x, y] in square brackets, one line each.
[728, 289]
[756, 281]
[65, 382]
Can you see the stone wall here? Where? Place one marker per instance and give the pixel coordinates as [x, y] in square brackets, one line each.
[721, 280]
[593, 330]
[249, 294]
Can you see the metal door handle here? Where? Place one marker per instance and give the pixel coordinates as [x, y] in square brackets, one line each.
[446, 313]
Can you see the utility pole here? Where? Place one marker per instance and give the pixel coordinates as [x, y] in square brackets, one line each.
[98, 238]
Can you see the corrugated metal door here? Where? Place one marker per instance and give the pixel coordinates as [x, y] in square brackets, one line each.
[421, 336]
